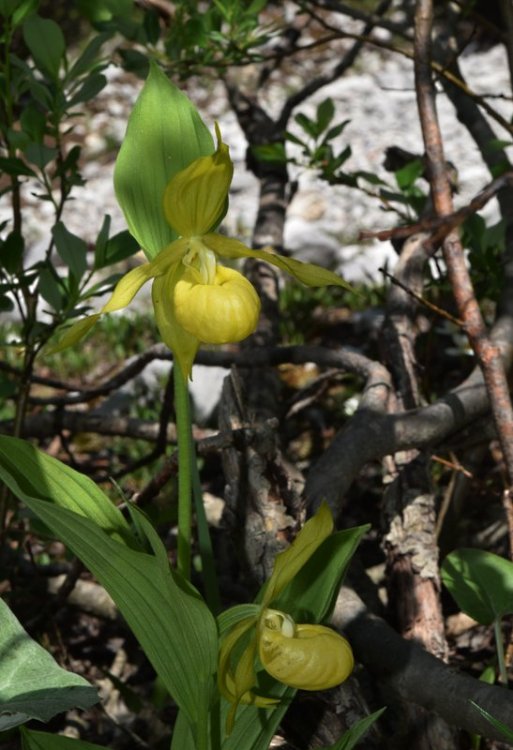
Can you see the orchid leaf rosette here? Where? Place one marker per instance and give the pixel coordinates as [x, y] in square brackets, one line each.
[196, 299]
[302, 656]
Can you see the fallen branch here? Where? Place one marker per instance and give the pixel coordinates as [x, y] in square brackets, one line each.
[416, 676]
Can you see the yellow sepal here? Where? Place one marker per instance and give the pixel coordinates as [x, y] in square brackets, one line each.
[289, 562]
[73, 334]
[129, 284]
[308, 273]
[195, 198]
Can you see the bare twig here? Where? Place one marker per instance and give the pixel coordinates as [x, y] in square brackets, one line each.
[443, 225]
[408, 671]
[422, 300]
[372, 433]
[486, 352]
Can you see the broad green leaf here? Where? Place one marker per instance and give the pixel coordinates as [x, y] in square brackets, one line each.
[50, 289]
[46, 741]
[72, 249]
[32, 685]
[174, 627]
[355, 733]
[40, 154]
[15, 166]
[12, 252]
[288, 563]
[30, 473]
[33, 122]
[45, 41]
[92, 86]
[480, 582]
[164, 134]
[325, 113]
[274, 152]
[24, 9]
[406, 176]
[117, 248]
[89, 56]
[101, 243]
[309, 126]
[311, 595]
[183, 738]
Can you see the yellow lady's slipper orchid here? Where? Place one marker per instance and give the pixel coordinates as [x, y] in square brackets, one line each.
[197, 300]
[307, 657]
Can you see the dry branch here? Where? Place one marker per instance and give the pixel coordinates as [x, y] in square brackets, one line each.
[416, 676]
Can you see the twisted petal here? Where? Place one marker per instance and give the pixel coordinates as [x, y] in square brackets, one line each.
[73, 334]
[124, 292]
[195, 199]
[128, 286]
[312, 658]
[308, 273]
[236, 685]
[224, 311]
[290, 561]
[183, 344]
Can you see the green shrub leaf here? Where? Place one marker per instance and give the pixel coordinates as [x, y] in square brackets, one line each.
[45, 41]
[480, 582]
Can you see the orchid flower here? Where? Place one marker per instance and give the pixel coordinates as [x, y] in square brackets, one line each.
[196, 299]
[303, 656]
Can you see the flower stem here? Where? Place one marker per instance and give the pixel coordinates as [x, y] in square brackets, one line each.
[185, 458]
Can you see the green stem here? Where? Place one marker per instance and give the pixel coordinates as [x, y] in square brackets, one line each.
[208, 565]
[185, 460]
[499, 644]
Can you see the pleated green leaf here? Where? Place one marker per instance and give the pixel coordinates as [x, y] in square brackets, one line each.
[164, 134]
[32, 684]
[46, 741]
[30, 473]
[311, 595]
[173, 626]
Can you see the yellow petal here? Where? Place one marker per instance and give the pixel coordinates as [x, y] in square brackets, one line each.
[225, 674]
[195, 198]
[308, 273]
[73, 334]
[222, 312]
[128, 286]
[183, 345]
[236, 685]
[290, 561]
[313, 658]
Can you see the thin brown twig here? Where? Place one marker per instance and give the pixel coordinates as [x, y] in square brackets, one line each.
[442, 225]
[422, 300]
[436, 67]
[487, 353]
